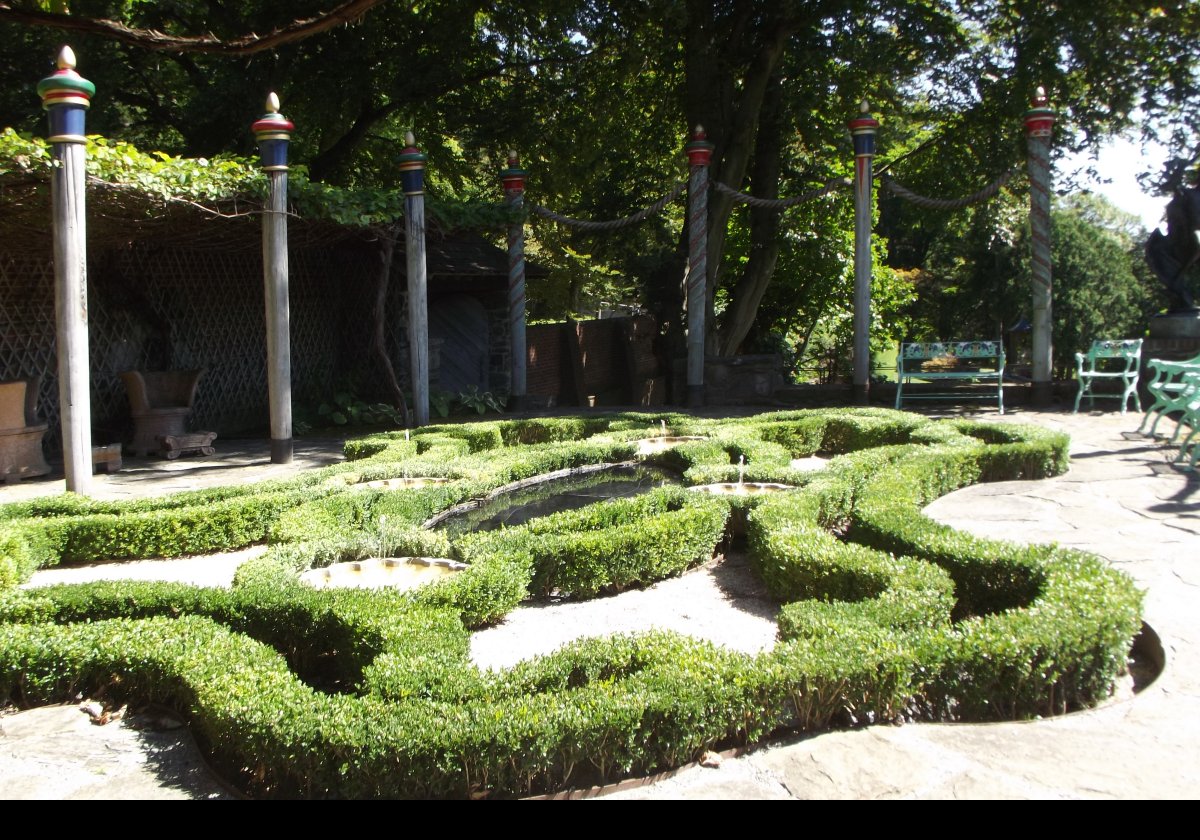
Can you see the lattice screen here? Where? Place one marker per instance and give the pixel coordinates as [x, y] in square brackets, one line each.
[27, 346]
[157, 307]
[162, 308]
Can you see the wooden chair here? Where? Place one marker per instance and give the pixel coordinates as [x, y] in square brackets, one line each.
[160, 402]
[20, 432]
[1110, 360]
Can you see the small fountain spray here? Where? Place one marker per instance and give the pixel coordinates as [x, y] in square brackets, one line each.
[406, 435]
[741, 472]
[664, 428]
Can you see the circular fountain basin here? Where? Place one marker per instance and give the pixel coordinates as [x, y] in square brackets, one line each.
[378, 572]
[741, 488]
[405, 483]
[654, 445]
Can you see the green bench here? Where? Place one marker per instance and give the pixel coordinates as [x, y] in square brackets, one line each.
[1187, 402]
[950, 361]
[1165, 386]
[1110, 360]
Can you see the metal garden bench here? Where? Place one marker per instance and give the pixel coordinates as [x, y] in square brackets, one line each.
[1187, 402]
[948, 361]
[1165, 386]
[1110, 360]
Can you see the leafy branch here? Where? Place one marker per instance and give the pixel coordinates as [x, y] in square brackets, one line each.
[210, 183]
[152, 39]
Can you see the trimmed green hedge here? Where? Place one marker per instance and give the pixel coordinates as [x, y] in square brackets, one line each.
[296, 692]
[612, 546]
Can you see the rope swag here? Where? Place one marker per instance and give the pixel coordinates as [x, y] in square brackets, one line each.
[947, 203]
[614, 224]
[784, 203]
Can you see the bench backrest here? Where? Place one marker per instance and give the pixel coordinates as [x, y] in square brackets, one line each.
[18, 403]
[151, 389]
[952, 349]
[925, 350]
[1122, 348]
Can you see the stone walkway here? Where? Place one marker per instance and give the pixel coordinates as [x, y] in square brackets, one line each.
[1121, 499]
[235, 462]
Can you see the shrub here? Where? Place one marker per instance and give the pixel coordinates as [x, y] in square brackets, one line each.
[370, 693]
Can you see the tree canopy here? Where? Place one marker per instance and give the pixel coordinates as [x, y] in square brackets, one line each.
[598, 96]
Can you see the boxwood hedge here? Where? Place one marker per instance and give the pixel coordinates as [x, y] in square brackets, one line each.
[297, 692]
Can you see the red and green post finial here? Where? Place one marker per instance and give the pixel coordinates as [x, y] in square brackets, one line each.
[1039, 119]
[66, 96]
[699, 150]
[863, 129]
[514, 176]
[273, 131]
[412, 166]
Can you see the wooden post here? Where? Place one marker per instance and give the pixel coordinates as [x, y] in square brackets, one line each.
[1039, 124]
[863, 130]
[66, 97]
[412, 179]
[273, 132]
[513, 179]
[699, 152]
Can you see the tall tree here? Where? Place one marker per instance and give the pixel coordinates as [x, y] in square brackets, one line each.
[597, 94]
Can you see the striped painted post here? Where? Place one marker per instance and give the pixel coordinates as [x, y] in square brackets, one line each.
[1039, 125]
[412, 179]
[66, 97]
[699, 152]
[513, 179]
[862, 130]
[274, 132]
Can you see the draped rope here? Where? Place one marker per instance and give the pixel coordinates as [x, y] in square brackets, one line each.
[947, 203]
[614, 224]
[784, 203]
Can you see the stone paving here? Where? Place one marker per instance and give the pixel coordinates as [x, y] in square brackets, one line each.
[1121, 499]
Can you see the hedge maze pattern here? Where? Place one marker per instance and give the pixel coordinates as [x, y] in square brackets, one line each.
[294, 692]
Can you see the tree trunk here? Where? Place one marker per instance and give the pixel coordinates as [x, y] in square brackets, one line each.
[726, 97]
[764, 223]
[383, 276]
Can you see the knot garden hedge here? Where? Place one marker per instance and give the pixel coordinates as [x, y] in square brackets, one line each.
[885, 615]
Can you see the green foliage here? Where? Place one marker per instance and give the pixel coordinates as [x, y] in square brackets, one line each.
[346, 409]
[471, 401]
[613, 545]
[223, 180]
[978, 273]
[299, 692]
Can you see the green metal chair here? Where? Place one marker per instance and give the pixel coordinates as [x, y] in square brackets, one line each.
[1187, 401]
[1110, 360]
[1164, 386]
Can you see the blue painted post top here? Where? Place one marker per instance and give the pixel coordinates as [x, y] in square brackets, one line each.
[412, 166]
[66, 96]
[273, 131]
[699, 150]
[514, 176]
[863, 129]
[1039, 119]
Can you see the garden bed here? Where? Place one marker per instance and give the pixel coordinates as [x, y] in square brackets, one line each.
[297, 692]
